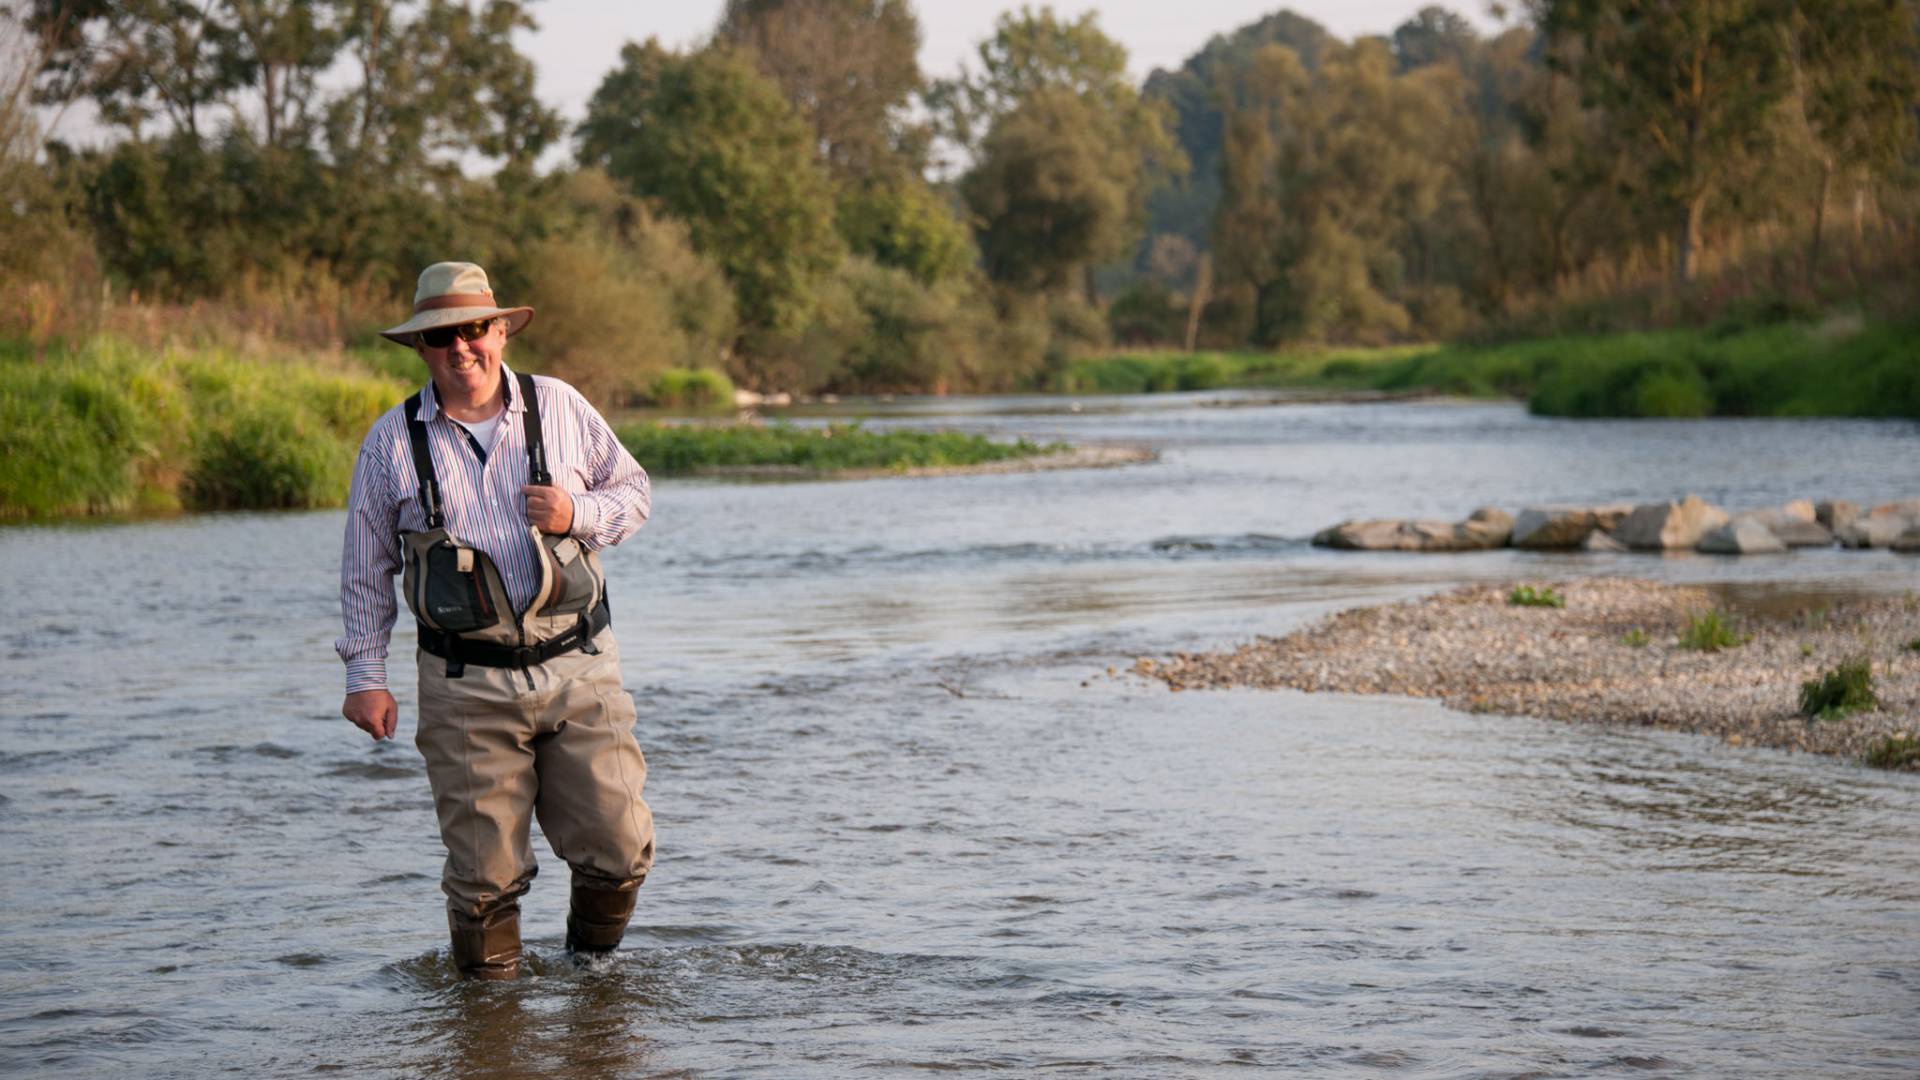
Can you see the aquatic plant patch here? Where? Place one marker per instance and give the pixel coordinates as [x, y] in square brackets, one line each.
[669, 449]
[1845, 689]
[1529, 596]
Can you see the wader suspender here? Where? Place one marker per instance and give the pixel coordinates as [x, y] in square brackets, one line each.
[456, 652]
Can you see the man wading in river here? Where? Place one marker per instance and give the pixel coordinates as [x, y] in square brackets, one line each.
[490, 494]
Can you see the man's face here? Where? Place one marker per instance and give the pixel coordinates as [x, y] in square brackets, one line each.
[467, 371]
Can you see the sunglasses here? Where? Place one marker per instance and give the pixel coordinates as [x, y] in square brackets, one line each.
[442, 336]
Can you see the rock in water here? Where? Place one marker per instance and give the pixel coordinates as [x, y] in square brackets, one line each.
[1835, 514]
[1802, 534]
[1551, 527]
[1744, 536]
[1872, 531]
[1599, 541]
[1487, 528]
[1908, 542]
[1670, 525]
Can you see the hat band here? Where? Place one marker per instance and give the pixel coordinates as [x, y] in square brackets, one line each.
[435, 303]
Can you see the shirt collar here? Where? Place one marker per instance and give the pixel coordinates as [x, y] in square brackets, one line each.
[430, 397]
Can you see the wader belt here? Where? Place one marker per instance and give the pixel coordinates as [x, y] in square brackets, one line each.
[458, 651]
[451, 647]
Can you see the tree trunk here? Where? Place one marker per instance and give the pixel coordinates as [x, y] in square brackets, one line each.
[1202, 285]
[1686, 254]
[1819, 223]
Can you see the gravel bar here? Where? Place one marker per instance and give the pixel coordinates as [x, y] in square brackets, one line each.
[1612, 655]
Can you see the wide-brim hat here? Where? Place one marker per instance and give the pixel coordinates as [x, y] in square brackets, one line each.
[451, 293]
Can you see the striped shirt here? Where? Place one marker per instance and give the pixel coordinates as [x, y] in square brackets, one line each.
[482, 501]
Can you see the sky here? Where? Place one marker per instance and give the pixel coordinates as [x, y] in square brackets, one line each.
[579, 40]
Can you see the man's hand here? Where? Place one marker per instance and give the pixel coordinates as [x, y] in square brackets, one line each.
[374, 712]
[549, 509]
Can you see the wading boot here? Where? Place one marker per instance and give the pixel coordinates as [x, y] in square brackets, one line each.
[487, 947]
[597, 916]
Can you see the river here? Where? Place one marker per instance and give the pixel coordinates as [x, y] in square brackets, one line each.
[908, 820]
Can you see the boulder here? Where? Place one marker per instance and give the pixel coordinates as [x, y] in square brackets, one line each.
[1599, 541]
[1906, 508]
[1835, 514]
[1547, 527]
[1872, 531]
[1742, 536]
[1796, 534]
[1487, 528]
[1798, 512]
[1670, 525]
[1908, 542]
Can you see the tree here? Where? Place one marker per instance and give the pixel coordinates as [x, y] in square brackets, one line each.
[849, 67]
[714, 143]
[1064, 148]
[1854, 89]
[1325, 173]
[1695, 77]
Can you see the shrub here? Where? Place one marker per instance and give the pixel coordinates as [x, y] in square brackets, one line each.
[696, 389]
[1893, 752]
[1710, 631]
[1528, 596]
[1847, 688]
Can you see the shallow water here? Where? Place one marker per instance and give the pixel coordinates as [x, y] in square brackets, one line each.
[908, 821]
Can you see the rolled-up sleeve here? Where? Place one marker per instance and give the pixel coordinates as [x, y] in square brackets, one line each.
[369, 557]
[619, 496]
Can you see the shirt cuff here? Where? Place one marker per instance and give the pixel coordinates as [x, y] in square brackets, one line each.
[586, 516]
[366, 673]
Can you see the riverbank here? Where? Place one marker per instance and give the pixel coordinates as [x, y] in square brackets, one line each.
[1839, 366]
[1616, 652]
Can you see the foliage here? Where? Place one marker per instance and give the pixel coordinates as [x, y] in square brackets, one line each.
[1711, 631]
[1529, 596]
[1893, 752]
[1635, 638]
[718, 146]
[908, 225]
[668, 450]
[848, 66]
[1844, 689]
[691, 389]
[1063, 148]
[109, 428]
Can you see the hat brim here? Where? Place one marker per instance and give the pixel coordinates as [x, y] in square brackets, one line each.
[517, 320]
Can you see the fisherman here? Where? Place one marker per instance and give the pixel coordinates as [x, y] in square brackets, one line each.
[491, 494]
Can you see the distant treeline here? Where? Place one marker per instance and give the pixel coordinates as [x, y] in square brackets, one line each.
[796, 204]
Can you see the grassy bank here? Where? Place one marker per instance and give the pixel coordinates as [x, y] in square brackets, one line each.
[108, 428]
[668, 450]
[1839, 367]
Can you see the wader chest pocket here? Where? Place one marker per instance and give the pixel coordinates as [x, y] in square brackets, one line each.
[576, 575]
[447, 586]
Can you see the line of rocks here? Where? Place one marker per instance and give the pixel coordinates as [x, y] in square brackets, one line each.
[1611, 655]
[1689, 523]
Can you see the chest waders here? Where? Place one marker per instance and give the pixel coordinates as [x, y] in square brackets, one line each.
[456, 592]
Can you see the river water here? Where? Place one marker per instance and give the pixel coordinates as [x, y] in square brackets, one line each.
[908, 821]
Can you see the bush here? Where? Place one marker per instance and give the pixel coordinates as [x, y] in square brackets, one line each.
[1847, 688]
[1528, 596]
[1893, 752]
[698, 389]
[1710, 631]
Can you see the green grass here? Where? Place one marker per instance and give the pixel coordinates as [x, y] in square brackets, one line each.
[1528, 596]
[1893, 752]
[1847, 688]
[1710, 631]
[1839, 367]
[1635, 638]
[106, 428]
[666, 450]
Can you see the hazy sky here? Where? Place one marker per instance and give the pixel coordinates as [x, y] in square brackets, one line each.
[579, 40]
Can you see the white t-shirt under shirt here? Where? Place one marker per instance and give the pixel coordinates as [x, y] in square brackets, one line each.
[482, 430]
